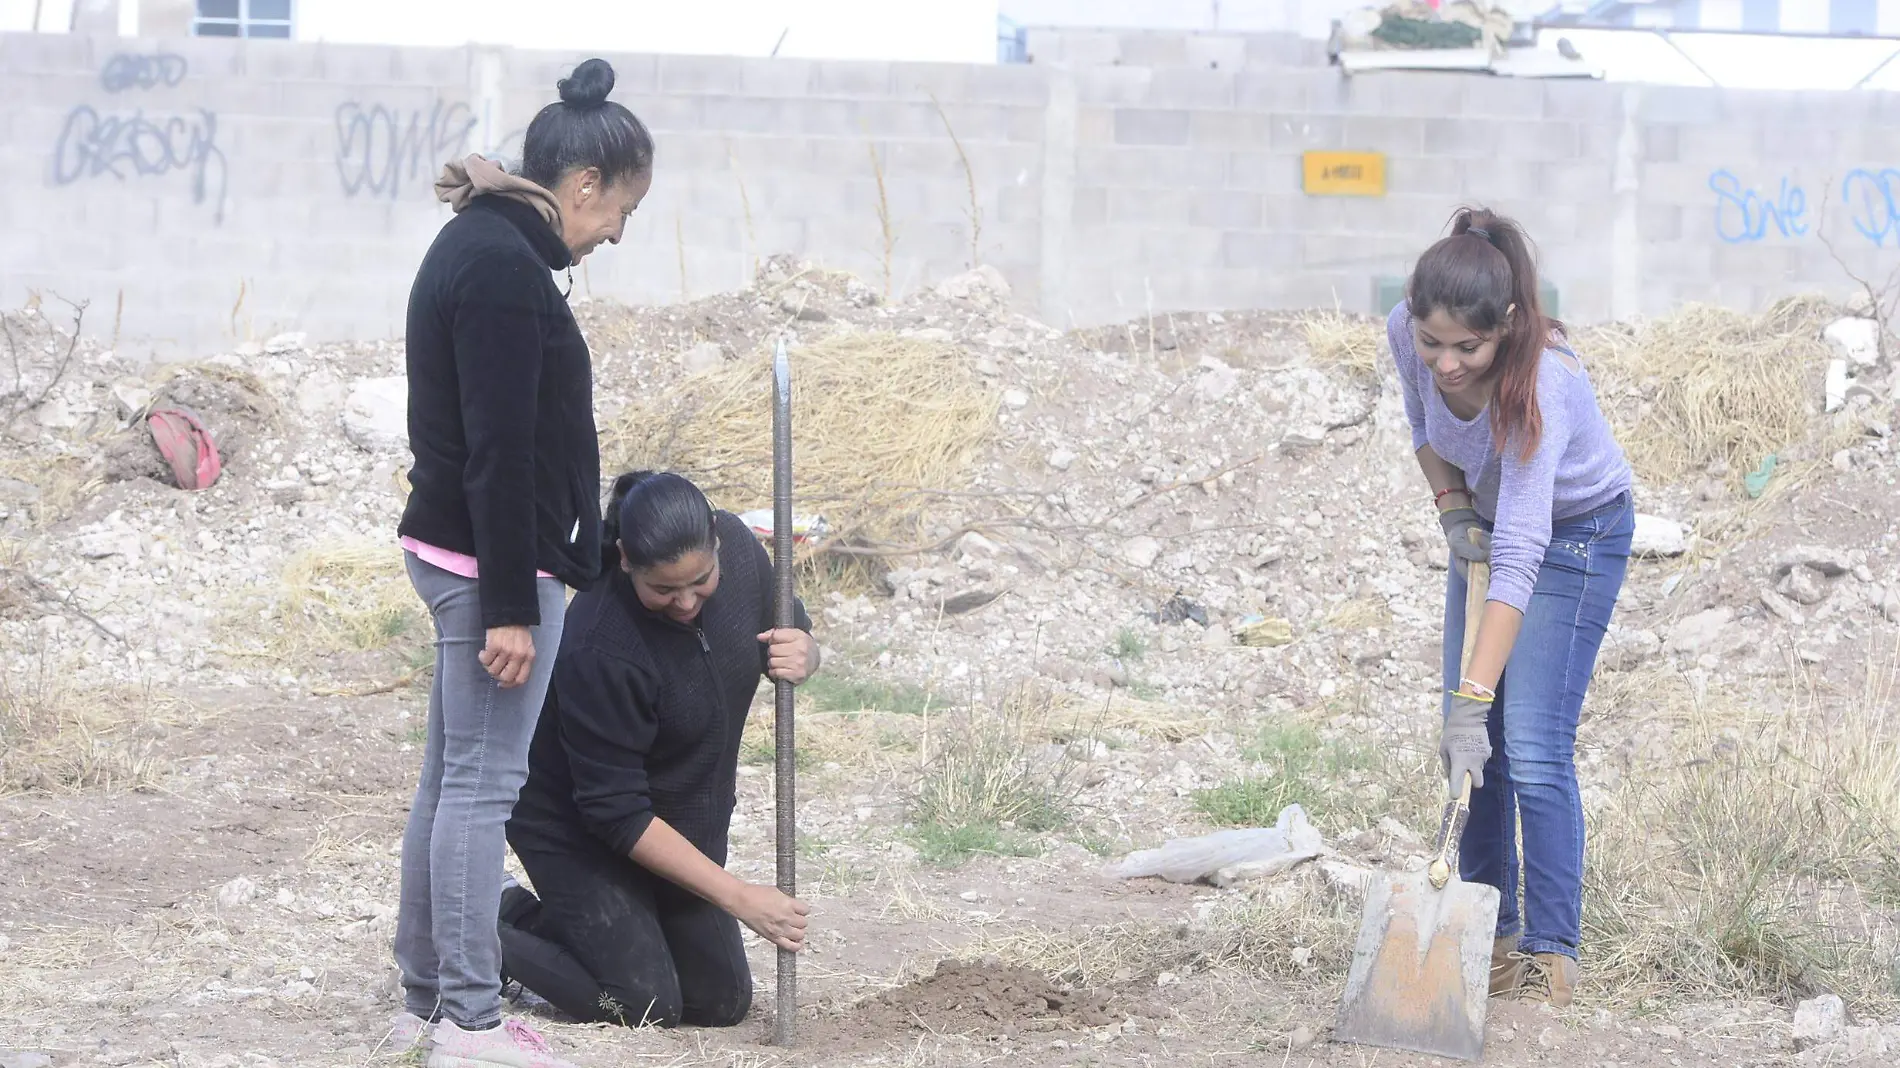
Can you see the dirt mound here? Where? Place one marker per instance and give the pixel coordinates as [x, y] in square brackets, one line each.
[971, 995]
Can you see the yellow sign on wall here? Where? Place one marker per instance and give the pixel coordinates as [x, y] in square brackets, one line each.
[1344, 174]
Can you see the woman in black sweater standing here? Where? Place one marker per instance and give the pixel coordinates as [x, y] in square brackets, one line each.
[502, 514]
[623, 823]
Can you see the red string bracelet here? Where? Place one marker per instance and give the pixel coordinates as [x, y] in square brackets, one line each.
[1440, 495]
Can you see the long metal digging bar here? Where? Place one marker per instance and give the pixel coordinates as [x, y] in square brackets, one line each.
[783, 734]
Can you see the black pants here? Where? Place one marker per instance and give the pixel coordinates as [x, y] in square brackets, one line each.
[610, 942]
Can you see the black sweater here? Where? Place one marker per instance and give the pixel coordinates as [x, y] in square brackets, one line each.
[501, 410]
[644, 714]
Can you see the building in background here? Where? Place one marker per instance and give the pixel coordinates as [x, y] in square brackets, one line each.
[949, 31]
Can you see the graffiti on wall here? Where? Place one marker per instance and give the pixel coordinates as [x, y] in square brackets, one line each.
[380, 150]
[1873, 203]
[1744, 214]
[131, 144]
[136, 70]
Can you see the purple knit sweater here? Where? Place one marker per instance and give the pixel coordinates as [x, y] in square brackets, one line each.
[1578, 466]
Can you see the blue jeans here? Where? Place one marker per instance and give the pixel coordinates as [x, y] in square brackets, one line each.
[473, 765]
[1532, 774]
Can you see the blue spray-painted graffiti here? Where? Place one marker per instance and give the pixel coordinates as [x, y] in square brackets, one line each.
[378, 149]
[132, 146]
[133, 70]
[1743, 215]
[1873, 203]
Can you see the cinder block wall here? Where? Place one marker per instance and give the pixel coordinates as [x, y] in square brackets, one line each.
[201, 192]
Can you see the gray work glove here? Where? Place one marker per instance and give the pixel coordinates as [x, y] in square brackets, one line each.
[1464, 744]
[1466, 535]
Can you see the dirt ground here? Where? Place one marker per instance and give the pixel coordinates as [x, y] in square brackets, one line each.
[214, 704]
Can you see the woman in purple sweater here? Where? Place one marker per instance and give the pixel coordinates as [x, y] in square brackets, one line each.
[1509, 435]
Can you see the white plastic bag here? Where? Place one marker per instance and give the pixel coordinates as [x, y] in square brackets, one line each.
[1226, 857]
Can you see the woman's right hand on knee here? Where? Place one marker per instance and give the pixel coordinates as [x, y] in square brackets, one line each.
[775, 917]
[509, 655]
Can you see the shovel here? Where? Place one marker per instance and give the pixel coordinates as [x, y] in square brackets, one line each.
[1421, 970]
[783, 735]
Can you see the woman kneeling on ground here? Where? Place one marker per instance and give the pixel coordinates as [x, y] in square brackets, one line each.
[1510, 437]
[622, 826]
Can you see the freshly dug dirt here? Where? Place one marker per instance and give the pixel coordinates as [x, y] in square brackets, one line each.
[981, 995]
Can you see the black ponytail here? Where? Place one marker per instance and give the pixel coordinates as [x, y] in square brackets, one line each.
[655, 518]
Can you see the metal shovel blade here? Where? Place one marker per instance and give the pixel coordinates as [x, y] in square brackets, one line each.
[1421, 970]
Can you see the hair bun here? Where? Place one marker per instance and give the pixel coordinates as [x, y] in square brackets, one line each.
[588, 86]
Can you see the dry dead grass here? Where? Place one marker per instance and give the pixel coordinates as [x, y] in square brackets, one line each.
[883, 425]
[56, 735]
[1350, 343]
[1708, 384]
[337, 598]
[63, 484]
[1294, 931]
[1762, 864]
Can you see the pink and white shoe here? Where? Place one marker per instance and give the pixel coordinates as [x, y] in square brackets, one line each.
[514, 1044]
[406, 1032]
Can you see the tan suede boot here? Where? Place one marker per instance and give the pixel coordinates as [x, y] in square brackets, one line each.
[1507, 966]
[1549, 977]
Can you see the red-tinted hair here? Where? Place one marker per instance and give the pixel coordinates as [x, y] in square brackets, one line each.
[1484, 275]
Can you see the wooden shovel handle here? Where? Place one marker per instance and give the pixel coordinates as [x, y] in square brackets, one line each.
[1451, 827]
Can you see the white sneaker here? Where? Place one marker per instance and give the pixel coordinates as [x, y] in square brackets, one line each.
[513, 1044]
[406, 1032]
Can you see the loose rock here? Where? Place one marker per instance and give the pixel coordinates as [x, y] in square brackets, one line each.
[1819, 1020]
[376, 414]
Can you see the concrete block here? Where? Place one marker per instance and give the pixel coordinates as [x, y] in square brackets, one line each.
[1599, 141]
[1301, 133]
[1660, 222]
[1094, 126]
[1419, 94]
[1107, 245]
[1213, 52]
[1330, 92]
[1542, 140]
[702, 74]
[752, 114]
[1426, 176]
[53, 53]
[1678, 260]
[1113, 86]
[1263, 250]
[854, 78]
[702, 231]
[1788, 145]
[1682, 184]
[1502, 179]
[1149, 207]
[1581, 100]
[1077, 47]
[1090, 207]
[1392, 136]
[1019, 205]
[1149, 126]
[694, 151]
[1180, 168]
[1267, 50]
[674, 111]
[1280, 91]
[1502, 98]
[1579, 182]
[1726, 146]
[1173, 249]
[1229, 129]
[853, 118]
[1189, 87]
[1662, 142]
[778, 76]
[1025, 125]
[1264, 172]
[1757, 262]
[1226, 210]
[1464, 139]
[1154, 49]
[1356, 252]
[891, 119]
[1685, 105]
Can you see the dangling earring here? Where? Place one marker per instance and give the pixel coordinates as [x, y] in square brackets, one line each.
[570, 283]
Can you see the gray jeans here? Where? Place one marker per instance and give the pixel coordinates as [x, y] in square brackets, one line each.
[473, 765]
